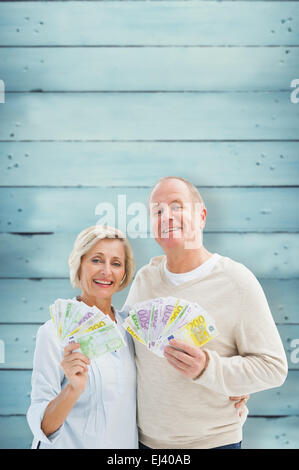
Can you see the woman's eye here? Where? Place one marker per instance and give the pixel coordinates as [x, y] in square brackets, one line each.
[95, 260]
[116, 264]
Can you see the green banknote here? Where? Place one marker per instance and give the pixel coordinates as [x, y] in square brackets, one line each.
[101, 341]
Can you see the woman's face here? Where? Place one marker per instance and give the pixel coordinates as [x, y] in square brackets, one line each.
[102, 268]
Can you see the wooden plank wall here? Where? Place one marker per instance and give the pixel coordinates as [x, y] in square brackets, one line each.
[103, 98]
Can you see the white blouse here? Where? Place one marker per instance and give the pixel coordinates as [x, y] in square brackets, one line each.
[104, 416]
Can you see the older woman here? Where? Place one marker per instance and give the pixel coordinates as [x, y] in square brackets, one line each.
[75, 402]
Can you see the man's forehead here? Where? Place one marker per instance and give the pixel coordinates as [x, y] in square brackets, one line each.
[171, 190]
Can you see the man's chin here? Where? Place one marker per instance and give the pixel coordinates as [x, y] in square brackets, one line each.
[169, 243]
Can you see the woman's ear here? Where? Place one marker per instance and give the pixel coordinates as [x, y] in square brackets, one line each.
[123, 279]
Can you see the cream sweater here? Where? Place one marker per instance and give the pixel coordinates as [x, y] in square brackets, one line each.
[247, 356]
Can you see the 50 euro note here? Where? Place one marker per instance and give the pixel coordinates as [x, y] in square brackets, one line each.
[132, 326]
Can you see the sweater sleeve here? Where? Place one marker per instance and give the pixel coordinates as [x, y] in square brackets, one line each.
[46, 380]
[261, 361]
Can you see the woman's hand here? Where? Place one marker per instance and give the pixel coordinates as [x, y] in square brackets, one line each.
[241, 402]
[74, 365]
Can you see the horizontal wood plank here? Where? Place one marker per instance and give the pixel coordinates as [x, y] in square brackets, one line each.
[15, 433]
[45, 256]
[148, 69]
[142, 163]
[19, 344]
[229, 209]
[149, 23]
[16, 388]
[271, 433]
[149, 116]
[28, 300]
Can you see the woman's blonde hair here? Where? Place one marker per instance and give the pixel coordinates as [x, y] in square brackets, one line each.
[87, 239]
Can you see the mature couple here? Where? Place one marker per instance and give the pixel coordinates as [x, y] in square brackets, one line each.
[190, 399]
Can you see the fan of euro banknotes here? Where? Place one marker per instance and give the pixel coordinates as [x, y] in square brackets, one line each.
[154, 322]
[77, 322]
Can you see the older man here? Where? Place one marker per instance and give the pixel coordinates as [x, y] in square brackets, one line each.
[183, 399]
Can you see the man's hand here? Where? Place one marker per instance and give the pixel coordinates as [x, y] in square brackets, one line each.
[189, 361]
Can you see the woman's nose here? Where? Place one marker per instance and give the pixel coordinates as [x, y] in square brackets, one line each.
[105, 269]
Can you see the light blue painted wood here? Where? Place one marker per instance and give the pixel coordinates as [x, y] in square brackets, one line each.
[27, 300]
[149, 23]
[280, 401]
[271, 433]
[16, 388]
[15, 392]
[142, 163]
[267, 255]
[149, 116]
[129, 116]
[19, 341]
[133, 69]
[229, 209]
[15, 433]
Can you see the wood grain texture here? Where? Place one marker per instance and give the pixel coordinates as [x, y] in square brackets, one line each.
[149, 23]
[229, 209]
[132, 91]
[142, 163]
[149, 68]
[149, 116]
[45, 255]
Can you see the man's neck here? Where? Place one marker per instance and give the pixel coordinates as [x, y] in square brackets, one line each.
[183, 261]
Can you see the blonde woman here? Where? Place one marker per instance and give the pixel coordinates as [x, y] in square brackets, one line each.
[75, 402]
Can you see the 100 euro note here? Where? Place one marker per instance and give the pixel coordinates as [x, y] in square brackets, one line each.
[100, 341]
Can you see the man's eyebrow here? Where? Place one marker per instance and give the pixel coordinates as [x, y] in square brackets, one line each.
[158, 203]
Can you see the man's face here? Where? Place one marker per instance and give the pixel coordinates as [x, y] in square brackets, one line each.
[176, 219]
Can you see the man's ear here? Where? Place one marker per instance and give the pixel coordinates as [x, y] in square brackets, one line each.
[203, 218]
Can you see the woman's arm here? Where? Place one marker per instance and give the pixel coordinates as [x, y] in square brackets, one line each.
[75, 368]
[58, 409]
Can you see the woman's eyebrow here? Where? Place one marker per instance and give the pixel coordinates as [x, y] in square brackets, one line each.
[100, 253]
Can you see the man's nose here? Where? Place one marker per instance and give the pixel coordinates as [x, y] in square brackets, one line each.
[167, 214]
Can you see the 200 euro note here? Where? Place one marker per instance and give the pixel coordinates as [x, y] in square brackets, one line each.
[197, 332]
[100, 341]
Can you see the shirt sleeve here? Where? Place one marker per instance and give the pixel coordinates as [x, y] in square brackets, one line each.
[47, 376]
[261, 362]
